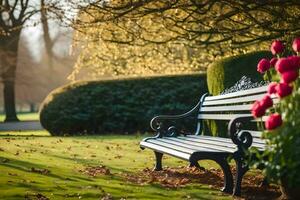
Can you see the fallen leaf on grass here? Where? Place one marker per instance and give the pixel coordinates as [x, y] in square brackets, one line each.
[40, 171]
[94, 171]
[59, 141]
[213, 178]
[32, 150]
[5, 160]
[107, 197]
[35, 197]
[118, 156]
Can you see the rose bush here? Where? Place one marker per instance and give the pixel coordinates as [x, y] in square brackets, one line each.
[281, 160]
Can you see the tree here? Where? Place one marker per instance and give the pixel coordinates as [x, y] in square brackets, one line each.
[13, 16]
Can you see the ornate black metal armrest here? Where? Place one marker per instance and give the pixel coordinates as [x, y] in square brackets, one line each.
[156, 122]
[242, 138]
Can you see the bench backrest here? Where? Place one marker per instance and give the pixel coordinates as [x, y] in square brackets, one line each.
[231, 105]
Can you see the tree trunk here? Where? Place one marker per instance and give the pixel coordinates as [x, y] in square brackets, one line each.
[9, 46]
[9, 101]
[48, 41]
[32, 107]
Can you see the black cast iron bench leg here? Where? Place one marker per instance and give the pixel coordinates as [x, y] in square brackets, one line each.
[196, 164]
[222, 162]
[241, 169]
[158, 164]
[228, 179]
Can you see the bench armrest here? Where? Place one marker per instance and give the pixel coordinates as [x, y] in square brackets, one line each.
[156, 121]
[242, 138]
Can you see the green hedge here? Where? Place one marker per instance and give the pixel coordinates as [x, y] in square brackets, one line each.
[224, 73]
[119, 105]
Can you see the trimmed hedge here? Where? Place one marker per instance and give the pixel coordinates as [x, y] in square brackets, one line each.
[119, 105]
[224, 73]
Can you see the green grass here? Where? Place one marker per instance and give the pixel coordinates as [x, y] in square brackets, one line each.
[66, 156]
[23, 116]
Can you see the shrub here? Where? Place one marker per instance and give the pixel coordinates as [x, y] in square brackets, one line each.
[119, 105]
[226, 72]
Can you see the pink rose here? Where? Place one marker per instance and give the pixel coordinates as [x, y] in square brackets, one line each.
[273, 62]
[283, 89]
[273, 121]
[263, 65]
[277, 47]
[283, 65]
[266, 102]
[296, 45]
[272, 88]
[295, 62]
[289, 76]
[257, 109]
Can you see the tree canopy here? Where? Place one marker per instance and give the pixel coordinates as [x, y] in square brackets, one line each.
[237, 23]
[130, 30]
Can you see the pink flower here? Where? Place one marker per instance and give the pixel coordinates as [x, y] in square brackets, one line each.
[257, 109]
[296, 45]
[295, 62]
[277, 47]
[273, 61]
[283, 90]
[266, 102]
[283, 65]
[289, 76]
[272, 88]
[263, 65]
[273, 121]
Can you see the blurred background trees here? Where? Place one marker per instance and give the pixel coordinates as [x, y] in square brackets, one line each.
[27, 66]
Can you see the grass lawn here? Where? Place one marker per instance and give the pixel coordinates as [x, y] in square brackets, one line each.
[34, 165]
[25, 161]
[23, 116]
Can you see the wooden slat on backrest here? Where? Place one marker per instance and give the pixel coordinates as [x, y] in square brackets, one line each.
[236, 100]
[248, 92]
[222, 116]
[233, 105]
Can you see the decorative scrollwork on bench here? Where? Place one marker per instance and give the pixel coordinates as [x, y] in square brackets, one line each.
[242, 138]
[243, 84]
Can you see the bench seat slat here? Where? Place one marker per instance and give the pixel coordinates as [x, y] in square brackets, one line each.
[211, 142]
[178, 147]
[175, 144]
[227, 140]
[166, 150]
[206, 145]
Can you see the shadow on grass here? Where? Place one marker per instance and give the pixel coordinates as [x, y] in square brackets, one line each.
[28, 166]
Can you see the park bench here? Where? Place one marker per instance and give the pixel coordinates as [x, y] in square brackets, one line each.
[231, 108]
